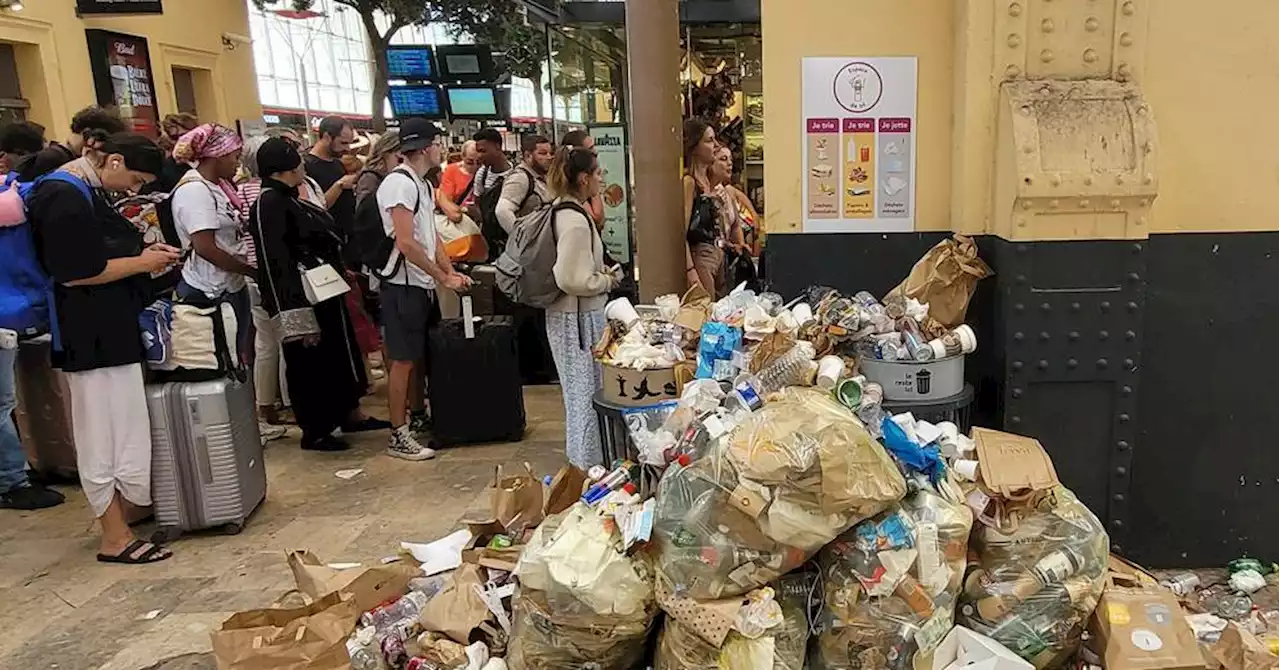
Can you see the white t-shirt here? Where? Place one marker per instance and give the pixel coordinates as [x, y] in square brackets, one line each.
[486, 179]
[199, 204]
[403, 188]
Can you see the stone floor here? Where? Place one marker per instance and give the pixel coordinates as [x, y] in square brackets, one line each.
[59, 608]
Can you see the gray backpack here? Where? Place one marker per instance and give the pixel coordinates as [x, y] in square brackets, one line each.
[525, 268]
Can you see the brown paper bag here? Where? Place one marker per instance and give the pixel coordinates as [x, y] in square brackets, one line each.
[565, 490]
[457, 609]
[945, 278]
[369, 587]
[695, 307]
[1238, 649]
[312, 637]
[517, 500]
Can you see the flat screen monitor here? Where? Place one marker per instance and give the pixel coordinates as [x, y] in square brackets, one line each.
[410, 62]
[473, 102]
[416, 100]
[466, 63]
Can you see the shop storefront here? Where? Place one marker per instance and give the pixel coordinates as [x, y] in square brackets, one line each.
[58, 56]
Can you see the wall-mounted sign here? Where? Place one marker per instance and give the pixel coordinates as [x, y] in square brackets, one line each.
[119, 7]
[122, 78]
[611, 152]
[859, 144]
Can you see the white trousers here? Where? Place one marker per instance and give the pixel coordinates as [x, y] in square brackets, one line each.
[113, 435]
[268, 359]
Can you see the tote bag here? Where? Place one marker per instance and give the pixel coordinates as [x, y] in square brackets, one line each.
[463, 240]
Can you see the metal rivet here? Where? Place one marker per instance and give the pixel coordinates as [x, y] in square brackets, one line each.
[1133, 306]
[1126, 40]
[1127, 8]
[1014, 40]
[1137, 248]
[1055, 180]
[1126, 390]
[1124, 418]
[1018, 307]
[1122, 445]
[1119, 180]
[1075, 307]
[1072, 363]
[1116, 522]
[1018, 336]
[1015, 9]
[1128, 363]
[1016, 419]
[1147, 178]
[1017, 393]
[1073, 335]
[1105, 306]
[1090, 56]
[1121, 470]
[1028, 180]
[1119, 497]
[1122, 73]
[1142, 220]
[1012, 71]
[1147, 147]
[1027, 204]
[1022, 249]
[1044, 336]
[1130, 335]
[1021, 279]
[1133, 276]
[1102, 363]
[1088, 181]
[1091, 24]
[1022, 222]
[1046, 56]
[1017, 365]
[1053, 204]
[1117, 549]
[1045, 307]
[1043, 364]
[1103, 335]
[1115, 203]
[1046, 25]
[1084, 203]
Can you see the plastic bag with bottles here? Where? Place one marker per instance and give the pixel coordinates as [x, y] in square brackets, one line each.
[786, 480]
[1041, 566]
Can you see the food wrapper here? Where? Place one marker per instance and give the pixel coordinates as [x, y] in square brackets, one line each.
[784, 482]
[890, 584]
[779, 647]
[581, 600]
[1037, 580]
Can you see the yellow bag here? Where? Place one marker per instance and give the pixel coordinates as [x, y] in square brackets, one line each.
[463, 240]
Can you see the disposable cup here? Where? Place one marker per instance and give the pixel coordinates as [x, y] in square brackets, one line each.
[966, 469]
[830, 369]
[622, 311]
[803, 313]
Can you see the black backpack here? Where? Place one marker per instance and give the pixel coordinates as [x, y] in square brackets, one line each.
[373, 245]
[487, 203]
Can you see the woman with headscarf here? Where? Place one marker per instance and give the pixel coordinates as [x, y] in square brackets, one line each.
[206, 216]
[323, 366]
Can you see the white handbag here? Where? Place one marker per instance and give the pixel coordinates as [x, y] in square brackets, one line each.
[322, 283]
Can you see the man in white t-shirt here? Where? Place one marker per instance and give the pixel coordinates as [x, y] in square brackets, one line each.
[417, 265]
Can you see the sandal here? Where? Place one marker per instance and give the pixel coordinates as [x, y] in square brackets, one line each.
[138, 552]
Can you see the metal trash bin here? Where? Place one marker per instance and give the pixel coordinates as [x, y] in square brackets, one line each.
[955, 408]
[615, 441]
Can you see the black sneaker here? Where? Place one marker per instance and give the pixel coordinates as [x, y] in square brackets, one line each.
[31, 497]
[326, 443]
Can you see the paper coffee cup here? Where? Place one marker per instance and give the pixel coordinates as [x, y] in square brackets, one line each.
[830, 369]
[939, 349]
[802, 312]
[622, 311]
[968, 339]
[967, 469]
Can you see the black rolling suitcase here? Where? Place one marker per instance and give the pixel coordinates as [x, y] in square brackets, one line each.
[474, 380]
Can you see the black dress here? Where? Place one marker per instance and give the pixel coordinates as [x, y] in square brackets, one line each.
[326, 380]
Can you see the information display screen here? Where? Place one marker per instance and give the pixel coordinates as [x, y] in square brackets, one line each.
[410, 62]
[472, 102]
[416, 100]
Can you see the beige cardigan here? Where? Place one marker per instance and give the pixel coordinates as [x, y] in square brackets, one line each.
[579, 268]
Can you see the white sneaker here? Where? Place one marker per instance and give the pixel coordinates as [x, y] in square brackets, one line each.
[269, 432]
[405, 445]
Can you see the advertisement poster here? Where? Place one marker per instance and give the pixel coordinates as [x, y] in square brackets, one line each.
[611, 151]
[122, 78]
[859, 117]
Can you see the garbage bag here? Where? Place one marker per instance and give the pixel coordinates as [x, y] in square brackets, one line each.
[1037, 581]
[784, 482]
[582, 603]
[781, 647]
[890, 584]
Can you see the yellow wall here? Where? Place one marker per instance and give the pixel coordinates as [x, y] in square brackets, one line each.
[53, 57]
[1210, 78]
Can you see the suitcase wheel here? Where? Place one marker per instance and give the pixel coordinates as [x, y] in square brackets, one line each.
[232, 528]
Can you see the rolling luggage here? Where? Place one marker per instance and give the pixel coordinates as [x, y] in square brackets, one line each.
[44, 414]
[206, 468]
[474, 380]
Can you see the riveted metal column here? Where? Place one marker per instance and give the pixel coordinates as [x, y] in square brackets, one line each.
[653, 65]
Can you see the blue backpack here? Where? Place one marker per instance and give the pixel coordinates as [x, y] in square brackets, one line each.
[26, 290]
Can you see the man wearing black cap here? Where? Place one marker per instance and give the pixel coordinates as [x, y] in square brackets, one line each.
[418, 264]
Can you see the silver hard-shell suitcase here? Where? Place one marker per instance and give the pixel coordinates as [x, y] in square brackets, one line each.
[206, 464]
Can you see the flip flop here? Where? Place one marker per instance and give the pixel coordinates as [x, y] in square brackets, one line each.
[134, 554]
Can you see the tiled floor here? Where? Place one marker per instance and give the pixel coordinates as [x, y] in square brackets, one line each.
[59, 608]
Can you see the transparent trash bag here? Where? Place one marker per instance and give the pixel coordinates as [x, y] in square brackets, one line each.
[890, 584]
[582, 603]
[1037, 581]
[781, 647]
[784, 482]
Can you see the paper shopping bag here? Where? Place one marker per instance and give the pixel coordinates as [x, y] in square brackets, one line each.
[312, 637]
[457, 609]
[945, 278]
[517, 500]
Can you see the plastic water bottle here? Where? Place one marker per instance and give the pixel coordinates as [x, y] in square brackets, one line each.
[407, 607]
[789, 370]
[873, 313]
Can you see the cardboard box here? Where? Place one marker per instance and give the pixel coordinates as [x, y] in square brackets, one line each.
[639, 388]
[963, 649]
[1140, 626]
[1013, 463]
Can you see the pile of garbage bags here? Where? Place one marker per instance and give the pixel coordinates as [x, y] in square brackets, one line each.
[890, 583]
[783, 483]
[1040, 570]
[582, 601]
